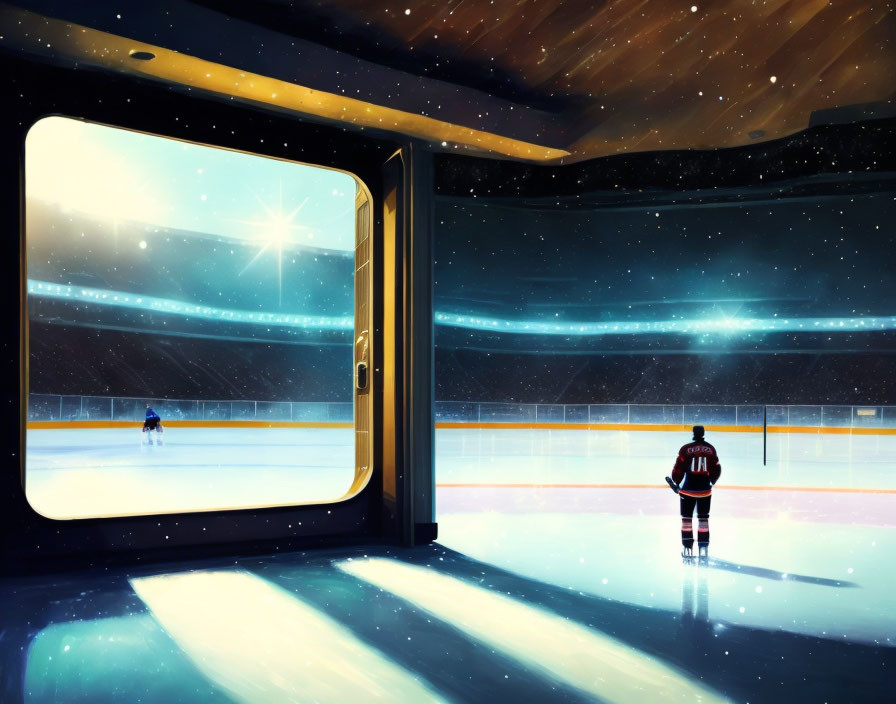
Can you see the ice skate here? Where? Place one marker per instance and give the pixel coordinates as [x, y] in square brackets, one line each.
[703, 553]
[687, 554]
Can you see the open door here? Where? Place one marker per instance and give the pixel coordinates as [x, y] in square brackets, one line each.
[408, 439]
[363, 349]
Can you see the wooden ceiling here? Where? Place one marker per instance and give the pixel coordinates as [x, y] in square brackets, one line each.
[628, 75]
[541, 80]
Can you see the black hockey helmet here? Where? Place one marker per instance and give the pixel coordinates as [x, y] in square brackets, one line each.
[699, 432]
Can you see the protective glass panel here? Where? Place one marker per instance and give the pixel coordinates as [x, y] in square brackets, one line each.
[190, 325]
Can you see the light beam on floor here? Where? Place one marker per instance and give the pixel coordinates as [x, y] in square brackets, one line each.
[262, 645]
[568, 652]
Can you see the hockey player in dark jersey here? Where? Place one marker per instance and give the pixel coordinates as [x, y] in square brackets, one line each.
[152, 423]
[695, 472]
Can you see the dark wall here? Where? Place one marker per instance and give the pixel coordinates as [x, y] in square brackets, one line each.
[98, 362]
[799, 230]
[473, 375]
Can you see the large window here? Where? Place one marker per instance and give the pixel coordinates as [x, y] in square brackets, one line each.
[209, 287]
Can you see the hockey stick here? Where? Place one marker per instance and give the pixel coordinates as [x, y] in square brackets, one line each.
[672, 485]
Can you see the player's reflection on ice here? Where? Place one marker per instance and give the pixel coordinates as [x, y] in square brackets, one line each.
[694, 599]
[695, 586]
[150, 440]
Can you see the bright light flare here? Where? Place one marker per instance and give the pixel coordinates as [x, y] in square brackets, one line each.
[276, 227]
[274, 233]
[278, 231]
[67, 164]
[726, 326]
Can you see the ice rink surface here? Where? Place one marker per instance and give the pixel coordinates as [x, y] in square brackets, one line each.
[109, 472]
[538, 523]
[805, 543]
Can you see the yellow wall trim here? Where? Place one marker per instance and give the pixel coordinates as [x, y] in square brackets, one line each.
[92, 47]
[72, 425]
[669, 428]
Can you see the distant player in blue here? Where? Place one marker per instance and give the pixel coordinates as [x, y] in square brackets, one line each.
[153, 422]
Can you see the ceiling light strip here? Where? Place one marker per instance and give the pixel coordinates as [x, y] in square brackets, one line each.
[34, 33]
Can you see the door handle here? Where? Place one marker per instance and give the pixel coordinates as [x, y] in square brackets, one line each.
[361, 375]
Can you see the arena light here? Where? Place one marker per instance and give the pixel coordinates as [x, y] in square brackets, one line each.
[725, 326]
[273, 232]
[722, 326]
[121, 299]
[597, 664]
[93, 177]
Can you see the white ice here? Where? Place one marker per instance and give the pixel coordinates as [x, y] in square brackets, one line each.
[804, 544]
[783, 535]
[75, 473]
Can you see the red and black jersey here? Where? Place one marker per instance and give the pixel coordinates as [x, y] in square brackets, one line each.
[697, 468]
